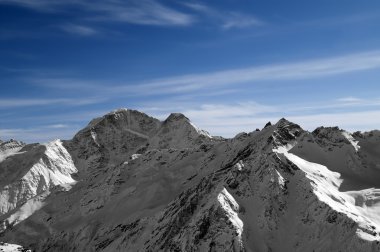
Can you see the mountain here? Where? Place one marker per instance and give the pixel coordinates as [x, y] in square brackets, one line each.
[129, 182]
[8, 148]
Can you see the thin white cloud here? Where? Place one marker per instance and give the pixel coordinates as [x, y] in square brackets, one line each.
[58, 126]
[350, 99]
[80, 30]
[145, 12]
[238, 20]
[226, 79]
[13, 103]
[226, 19]
[291, 71]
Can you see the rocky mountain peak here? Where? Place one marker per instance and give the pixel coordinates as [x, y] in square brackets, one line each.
[268, 124]
[284, 132]
[178, 126]
[179, 120]
[125, 119]
[326, 136]
[325, 131]
[175, 117]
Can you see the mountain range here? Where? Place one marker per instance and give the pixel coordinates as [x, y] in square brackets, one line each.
[130, 182]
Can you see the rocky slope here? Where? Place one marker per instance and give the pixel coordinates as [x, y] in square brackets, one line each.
[129, 182]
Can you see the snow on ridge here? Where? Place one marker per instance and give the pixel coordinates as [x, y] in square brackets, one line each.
[200, 131]
[118, 110]
[231, 208]
[361, 206]
[352, 140]
[280, 179]
[62, 165]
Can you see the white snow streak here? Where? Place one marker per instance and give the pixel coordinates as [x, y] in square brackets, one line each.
[352, 140]
[200, 131]
[231, 207]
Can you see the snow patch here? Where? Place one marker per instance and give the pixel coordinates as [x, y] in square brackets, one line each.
[119, 110]
[7, 247]
[231, 208]
[281, 180]
[61, 164]
[239, 165]
[94, 136]
[135, 156]
[352, 140]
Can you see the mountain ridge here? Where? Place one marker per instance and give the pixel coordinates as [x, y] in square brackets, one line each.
[141, 184]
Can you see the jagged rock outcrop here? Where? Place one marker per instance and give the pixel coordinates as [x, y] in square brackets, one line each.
[147, 185]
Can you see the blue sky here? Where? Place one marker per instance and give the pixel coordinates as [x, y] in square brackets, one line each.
[229, 65]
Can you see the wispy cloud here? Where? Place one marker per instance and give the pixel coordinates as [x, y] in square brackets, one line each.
[13, 103]
[57, 126]
[350, 99]
[144, 12]
[226, 19]
[237, 20]
[226, 79]
[290, 71]
[80, 30]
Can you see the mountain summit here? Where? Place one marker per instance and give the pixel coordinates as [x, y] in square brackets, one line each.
[130, 182]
